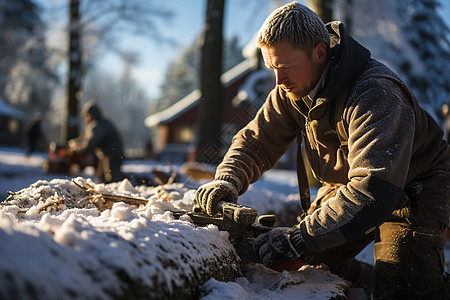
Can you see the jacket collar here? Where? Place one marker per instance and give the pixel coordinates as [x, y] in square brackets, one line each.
[347, 57]
[319, 86]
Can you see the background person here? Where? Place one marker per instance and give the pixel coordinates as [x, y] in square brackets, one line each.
[102, 139]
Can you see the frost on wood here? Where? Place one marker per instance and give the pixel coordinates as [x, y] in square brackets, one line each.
[56, 244]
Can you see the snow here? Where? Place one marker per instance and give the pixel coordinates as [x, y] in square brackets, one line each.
[57, 244]
[389, 28]
[262, 283]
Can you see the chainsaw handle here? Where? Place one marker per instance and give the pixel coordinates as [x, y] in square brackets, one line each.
[240, 214]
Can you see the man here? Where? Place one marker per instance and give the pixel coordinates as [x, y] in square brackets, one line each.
[388, 181]
[102, 139]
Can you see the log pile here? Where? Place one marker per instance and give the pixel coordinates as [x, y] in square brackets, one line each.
[77, 240]
[72, 250]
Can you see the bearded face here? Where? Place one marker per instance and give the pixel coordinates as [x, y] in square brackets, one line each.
[297, 73]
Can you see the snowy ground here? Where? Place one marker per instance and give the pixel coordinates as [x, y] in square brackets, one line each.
[28, 231]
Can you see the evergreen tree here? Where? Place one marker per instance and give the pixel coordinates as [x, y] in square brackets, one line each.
[410, 37]
[101, 20]
[27, 78]
[427, 34]
[182, 75]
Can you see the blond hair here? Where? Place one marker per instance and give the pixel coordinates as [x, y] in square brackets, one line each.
[296, 24]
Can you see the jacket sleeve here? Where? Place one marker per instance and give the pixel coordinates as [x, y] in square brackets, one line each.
[259, 145]
[381, 124]
[90, 139]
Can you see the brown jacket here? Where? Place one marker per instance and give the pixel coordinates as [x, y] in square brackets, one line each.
[392, 142]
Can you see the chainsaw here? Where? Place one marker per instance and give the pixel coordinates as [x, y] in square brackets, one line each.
[61, 160]
[239, 221]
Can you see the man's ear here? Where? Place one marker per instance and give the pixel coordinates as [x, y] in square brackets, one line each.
[320, 51]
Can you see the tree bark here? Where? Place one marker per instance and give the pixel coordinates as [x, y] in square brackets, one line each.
[70, 128]
[324, 8]
[211, 105]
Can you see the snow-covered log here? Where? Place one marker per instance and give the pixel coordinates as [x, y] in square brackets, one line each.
[55, 245]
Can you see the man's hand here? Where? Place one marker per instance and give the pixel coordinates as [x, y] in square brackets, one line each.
[279, 244]
[72, 145]
[211, 193]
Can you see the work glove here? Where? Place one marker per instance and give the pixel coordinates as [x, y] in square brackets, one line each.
[280, 243]
[211, 193]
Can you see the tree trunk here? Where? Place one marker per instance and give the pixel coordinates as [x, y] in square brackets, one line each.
[212, 102]
[324, 8]
[71, 126]
[347, 15]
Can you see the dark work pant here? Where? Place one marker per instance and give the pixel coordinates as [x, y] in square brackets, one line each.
[341, 261]
[409, 261]
[108, 168]
[408, 247]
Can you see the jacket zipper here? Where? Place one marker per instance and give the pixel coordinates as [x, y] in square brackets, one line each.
[312, 141]
[313, 145]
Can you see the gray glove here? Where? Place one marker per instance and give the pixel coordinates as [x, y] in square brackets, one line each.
[280, 243]
[211, 193]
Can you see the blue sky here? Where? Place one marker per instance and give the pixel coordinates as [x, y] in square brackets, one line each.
[242, 19]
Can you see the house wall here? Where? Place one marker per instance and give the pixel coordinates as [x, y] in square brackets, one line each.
[11, 130]
[234, 118]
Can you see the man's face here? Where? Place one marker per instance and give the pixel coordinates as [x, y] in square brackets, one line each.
[295, 71]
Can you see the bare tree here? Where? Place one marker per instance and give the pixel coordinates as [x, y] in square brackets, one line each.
[121, 100]
[100, 21]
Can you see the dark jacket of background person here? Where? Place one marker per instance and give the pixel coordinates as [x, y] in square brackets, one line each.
[102, 139]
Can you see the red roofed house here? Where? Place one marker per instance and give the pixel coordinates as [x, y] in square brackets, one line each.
[175, 128]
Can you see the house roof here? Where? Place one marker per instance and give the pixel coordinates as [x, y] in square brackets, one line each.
[9, 111]
[192, 99]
